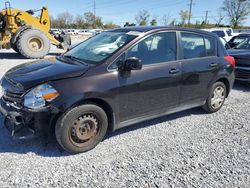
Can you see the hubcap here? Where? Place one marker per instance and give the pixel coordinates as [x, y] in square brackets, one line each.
[84, 128]
[35, 44]
[218, 97]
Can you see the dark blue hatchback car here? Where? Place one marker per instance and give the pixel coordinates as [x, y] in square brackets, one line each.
[115, 79]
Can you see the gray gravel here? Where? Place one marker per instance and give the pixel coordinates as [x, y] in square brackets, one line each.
[187, 149]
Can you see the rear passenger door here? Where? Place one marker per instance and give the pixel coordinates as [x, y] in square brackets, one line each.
[199, 65]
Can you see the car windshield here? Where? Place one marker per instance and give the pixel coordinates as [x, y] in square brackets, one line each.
[238, 39]
[244, 45]
[100, 47]
[219, 33]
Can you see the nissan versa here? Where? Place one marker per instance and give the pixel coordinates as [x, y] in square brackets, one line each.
[115, 79]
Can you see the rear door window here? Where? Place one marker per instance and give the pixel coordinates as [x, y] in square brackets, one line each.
[193, 45]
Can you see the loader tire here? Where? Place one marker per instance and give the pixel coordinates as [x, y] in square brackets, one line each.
[14, 47]
[33, 44]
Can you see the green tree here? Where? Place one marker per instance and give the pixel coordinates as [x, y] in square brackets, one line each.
[64, 19]
[142, 18]
[92, 21]
[79, 21]
[110, 26]
[153, 22]
[184, 14]
[236, 10]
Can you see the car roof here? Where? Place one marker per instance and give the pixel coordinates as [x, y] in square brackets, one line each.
[145, 29]
[243, 34]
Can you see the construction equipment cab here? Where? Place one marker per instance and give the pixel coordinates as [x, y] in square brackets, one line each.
[29, 35]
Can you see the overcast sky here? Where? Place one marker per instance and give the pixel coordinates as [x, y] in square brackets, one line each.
[120, 11]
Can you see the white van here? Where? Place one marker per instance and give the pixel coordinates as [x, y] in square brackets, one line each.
[226, 33]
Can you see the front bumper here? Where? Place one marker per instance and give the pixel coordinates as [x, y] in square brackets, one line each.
[23, 123]
[242, 73]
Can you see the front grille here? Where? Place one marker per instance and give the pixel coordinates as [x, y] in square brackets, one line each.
[242, 74]
[13, 97]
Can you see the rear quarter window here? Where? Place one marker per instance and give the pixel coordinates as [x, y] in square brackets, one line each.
[196, 46]
[193, 45]
[210, 46]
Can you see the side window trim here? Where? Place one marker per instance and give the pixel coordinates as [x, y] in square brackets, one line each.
[155, 33]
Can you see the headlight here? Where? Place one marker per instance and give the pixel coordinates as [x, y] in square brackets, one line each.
[38, 96]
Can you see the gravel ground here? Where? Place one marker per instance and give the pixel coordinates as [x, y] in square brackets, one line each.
[187, 149]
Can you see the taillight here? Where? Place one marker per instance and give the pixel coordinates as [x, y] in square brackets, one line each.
[230, 60]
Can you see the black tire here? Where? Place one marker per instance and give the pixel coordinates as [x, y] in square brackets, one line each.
[14, 47]
[81, 128]
[33, 44]
[211, 106]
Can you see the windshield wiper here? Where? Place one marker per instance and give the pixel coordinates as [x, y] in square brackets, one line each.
[73, 58]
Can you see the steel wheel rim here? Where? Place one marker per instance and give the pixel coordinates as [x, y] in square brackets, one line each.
[35, 44]
[84, 130]
[218, 97]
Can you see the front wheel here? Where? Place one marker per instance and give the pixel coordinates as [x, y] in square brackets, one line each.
[216, 98]
[82, 128]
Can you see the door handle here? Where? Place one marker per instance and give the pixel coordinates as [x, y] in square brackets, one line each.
[174, 71]
[213, 65]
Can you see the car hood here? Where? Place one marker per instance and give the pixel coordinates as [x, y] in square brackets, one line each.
[238, 52]
[242, 57]
[37, 72]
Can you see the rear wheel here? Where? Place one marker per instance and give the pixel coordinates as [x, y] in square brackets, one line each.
[33, 44]
[216, 98]
[82, 128]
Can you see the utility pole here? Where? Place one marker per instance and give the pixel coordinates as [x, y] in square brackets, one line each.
[94, 9]
[190, 11]
[206, 16]
[94, 16]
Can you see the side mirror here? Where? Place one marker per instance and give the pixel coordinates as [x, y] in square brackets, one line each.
[133, 63]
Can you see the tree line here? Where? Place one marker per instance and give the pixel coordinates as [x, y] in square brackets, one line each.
[232, 12]
[87, 20]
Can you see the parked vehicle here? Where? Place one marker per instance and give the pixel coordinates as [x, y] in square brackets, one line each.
[96, 31]
[71, 31]
[241, 53]
[238, 39]
[29, 35]
[55, 31]
[226, 33]
[85, 32]
[152, 71]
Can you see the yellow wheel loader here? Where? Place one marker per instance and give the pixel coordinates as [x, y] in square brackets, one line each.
[28, 35]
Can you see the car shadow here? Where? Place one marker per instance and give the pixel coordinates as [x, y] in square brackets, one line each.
[14, 55]
[42, 147]
[11, 55]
